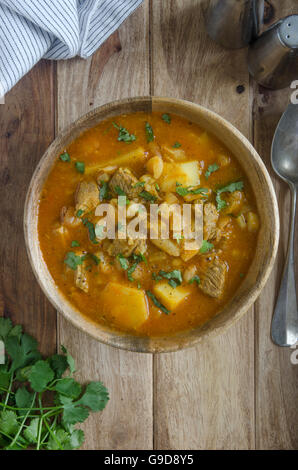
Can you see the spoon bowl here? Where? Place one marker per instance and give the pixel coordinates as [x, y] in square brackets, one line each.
[284, 159]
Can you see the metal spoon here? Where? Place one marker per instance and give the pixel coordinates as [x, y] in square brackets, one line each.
[284, 159]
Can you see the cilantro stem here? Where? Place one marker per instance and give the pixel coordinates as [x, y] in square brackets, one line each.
[47, 434]
[53, 435]
[8, 391]
[40, 422]
[9, 437]
[22, 423]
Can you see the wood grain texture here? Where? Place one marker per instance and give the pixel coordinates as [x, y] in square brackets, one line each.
[27, 128]
[118, 69]
[203, 397]
[276, 377]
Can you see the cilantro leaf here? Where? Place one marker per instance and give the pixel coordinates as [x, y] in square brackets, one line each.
[149, 132]
[229, 188]
[167, 118]
[206, 246]
[72, 260]
[72, 413]
[157, 302]
[22, 352]
[75, 243]
[80, 167]
[65, 157]
[70, 360]
[119, 191]
[194, 279]
[123, 261]
[31, 432]
[8, 422]
[124, 135]
[95, 397]
[176, 145]
[5, 327]
[211, 169]
[23, 398]
[41, 374]
[104, 191]
[147, 196]
[184, 191]
[91, 230]
[68, 387]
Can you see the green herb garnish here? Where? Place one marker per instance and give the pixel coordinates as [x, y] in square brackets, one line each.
[65, 157]
[91, 229]
[194, 279]
[72, 260]
[41, 417]
[184, 191]
[124, 135]
[211, 169]
[229, 188]
[206, 246]
[174, 277]
[140, 184]
[79, 213]
[104, 191]
[157, 303]
[80, 167]
[119, 191]
[75, 243]
[176, 145]
[147, 196]
[166, 118]
[149, 132]
[123, 261]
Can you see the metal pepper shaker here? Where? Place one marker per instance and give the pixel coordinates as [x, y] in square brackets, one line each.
[234, 23]
[273, 57]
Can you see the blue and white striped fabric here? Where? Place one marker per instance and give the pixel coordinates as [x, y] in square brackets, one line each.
[54, 29]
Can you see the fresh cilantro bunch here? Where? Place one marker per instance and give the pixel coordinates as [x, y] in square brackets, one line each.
[39, 404]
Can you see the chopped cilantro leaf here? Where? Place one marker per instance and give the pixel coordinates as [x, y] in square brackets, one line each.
[166, 118]
[176, 145]
[229, 188]
[149, 132]
[185, 191]
[91, 229]
[157, 303]
[119, 191]
[124, 135]
[75, 243]
[80, 167]
[211, 169]
[65, 157]
[72, 260]
[104, 191]
[123, 261]
[79, 213]
[194, 279]
[147, 196]
[206, 246]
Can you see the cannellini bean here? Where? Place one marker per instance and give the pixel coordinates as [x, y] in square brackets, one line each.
[155, 166]
[170, 198]
[223, 160]
[110, 169]
[189, 272]
[241, 221]
[253, 221]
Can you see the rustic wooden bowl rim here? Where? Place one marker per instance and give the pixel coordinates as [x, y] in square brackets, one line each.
[253, 283]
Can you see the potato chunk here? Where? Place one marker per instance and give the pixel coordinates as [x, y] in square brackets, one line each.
[127, 305]
[187, 174]
[170, 297]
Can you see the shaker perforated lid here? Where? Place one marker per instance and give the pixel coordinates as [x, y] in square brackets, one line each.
[288, 31]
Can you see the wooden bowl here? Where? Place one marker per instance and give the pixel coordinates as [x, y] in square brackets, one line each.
[265, 251]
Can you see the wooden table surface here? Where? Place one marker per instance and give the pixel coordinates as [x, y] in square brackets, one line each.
[237, 391]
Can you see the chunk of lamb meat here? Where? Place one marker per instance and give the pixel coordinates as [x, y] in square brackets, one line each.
[87, 196]
[211, 232]
[213, 280]
[125, 247]
[126, 181]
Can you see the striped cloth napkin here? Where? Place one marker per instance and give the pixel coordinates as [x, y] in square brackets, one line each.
[53, 29]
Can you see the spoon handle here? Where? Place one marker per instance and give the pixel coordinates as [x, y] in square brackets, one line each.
[284, 327]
